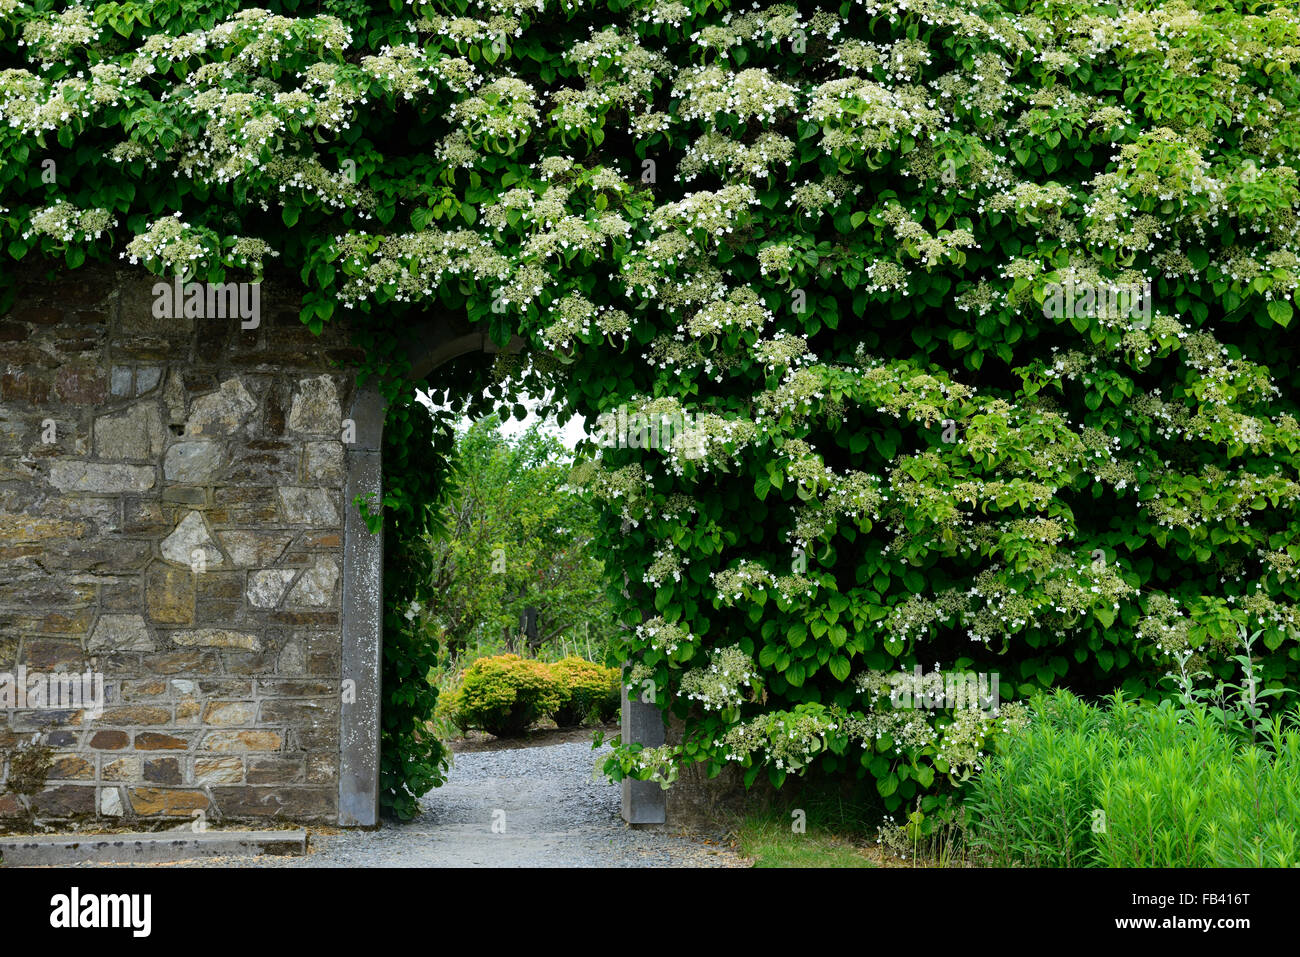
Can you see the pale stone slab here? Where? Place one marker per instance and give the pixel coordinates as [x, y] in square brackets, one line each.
[218, 638]
[190, 543]
[136, 433]
[222, 412]
[120, 633]
[251, 549]
[315, 406]
[101, 477]
[267, 587]
[193, 462]
[316, 586]
[308, 506]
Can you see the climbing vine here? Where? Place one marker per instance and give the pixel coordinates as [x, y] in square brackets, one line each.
[925, 331]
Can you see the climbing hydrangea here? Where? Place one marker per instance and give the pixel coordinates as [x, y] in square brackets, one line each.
[947, 343]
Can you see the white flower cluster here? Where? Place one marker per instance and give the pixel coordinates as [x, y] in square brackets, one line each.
[52, 37]
[664, 637]
[65, 223]
[719, 685]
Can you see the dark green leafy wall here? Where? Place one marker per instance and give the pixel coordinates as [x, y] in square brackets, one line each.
[828, 243]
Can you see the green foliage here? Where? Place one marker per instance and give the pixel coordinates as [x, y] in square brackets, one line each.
[1138, 785]
[412, 759]
[505, 695]
[514, 536]
[588, 690]
[837, 246]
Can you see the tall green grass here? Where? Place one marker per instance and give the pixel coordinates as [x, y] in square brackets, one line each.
[1138, 785]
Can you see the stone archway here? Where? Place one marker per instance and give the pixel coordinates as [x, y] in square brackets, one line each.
[432, 345]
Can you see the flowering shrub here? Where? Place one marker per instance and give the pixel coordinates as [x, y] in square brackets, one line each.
[833, 235]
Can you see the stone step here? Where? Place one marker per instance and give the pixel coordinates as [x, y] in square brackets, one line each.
[63, 849]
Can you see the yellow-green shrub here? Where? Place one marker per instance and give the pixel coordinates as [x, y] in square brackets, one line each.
[503, 695]
[588, 688]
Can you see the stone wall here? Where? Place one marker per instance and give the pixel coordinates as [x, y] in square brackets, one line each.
[171, 518]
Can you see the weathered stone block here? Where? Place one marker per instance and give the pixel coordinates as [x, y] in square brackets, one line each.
[71, 767]
[322, 769]
[15, 528]
[191, 545]
[144, 688]
[193, 462]
[121, 769]
[322, 463]
[106, 555]
[188, 711]
[243, 741]
[136, 433]
[278, 769]
[222, 412]
[109, 740]
[249, 549]
[137, 715]
[252, 505]
[248, 663]
[110, 802]
[291, 660]
[218, 770]
[26, 385]
[308, 506]
[101, 478]
[147, 379]
[218, 638]
[169, 595]
[51, 654]
[81, 384]
[120, 633]
[185, 495]
[229, 713]
[291, 688]
[316, 586]
[65, 801]
[188, 663]
[290, 803]
[315, 407]
[167, 802]
[163, 771]
[299, 712]
[267, 587]
[138, 319]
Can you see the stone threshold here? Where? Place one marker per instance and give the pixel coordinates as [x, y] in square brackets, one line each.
[61, 850]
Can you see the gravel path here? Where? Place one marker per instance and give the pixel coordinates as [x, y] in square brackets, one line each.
[554, 812]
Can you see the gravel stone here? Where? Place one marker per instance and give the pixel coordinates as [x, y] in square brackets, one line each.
[556, 813]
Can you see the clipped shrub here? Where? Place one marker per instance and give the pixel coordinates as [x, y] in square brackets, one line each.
[1137, 785]
[588, 690]
[505, 694]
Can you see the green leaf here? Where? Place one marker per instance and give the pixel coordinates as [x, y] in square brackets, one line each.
[1279, 310]
[839, 667]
